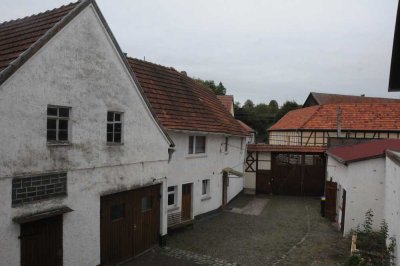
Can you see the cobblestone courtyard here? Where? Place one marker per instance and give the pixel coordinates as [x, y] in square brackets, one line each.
[285, 231]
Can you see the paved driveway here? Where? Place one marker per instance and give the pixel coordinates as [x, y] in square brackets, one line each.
[273, 230]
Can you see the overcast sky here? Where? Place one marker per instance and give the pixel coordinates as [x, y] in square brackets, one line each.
[260, 49]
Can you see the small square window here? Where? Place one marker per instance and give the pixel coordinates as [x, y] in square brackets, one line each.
[197, 144]
[117, 211]
[114, 127]
[147, 203]
[58, 124]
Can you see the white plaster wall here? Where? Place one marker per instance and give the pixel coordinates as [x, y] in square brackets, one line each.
[392, 202]
[81, 69]
[186, 168]
[364, 184]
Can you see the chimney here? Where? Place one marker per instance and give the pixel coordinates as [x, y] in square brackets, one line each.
[339, 121]
[184, 73]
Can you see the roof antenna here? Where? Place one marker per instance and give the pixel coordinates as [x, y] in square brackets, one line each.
[339, 121]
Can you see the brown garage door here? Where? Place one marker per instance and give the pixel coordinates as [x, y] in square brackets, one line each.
[41, 242]
[298, 174]
[129, 223]
[263, 181]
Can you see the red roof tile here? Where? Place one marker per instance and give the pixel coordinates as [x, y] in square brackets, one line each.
[227, 101]
[181, 103]
[246, 128]
[285, 148]
[355, 116]
[17, 36]
[363, 151]
[328, 98]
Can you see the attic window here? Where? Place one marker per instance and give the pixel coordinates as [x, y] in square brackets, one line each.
[57, 124]
[114, 127]
[197, 144]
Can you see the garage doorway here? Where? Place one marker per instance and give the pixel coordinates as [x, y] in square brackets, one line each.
[186, 202]
[129, 223]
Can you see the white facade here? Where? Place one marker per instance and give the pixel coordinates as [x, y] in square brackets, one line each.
[392, 199]
[79, 68]
[187, 168]
[364, 182]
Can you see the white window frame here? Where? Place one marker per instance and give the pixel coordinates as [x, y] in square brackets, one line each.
[207, 188]
[175, 193]
[194, 148]
[58, 118]
[121, 121]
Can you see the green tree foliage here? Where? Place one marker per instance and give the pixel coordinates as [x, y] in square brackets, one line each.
[262, 116]
[217, 89]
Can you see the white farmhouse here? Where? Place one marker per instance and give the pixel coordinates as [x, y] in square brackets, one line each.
[356, 178]
[206, 168]
[83, 161]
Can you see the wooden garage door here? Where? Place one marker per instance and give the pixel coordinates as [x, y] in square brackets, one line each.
[129, 223]
[41, 242]
[263, 181]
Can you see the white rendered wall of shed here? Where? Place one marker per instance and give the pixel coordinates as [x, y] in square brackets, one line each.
[364, 182]
[392, 200]
[79, 68]
[185, 168]
[264, 163]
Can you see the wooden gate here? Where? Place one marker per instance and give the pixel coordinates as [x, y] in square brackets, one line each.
[330, 200]
[263, 181]
[298, 174]
[41, 242]
[129, 223]
[186, 202]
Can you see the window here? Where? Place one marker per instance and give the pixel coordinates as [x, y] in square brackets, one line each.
[117, 212]
[114, 127]
[147, 203]
[172, 195]
[57, 123]
[197, 144]
[226, 144]
[205, 189]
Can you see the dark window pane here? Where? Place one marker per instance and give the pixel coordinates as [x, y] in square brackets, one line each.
[51, 124]
[204, 187]
[117, 117]
[51, 135]
[200, 144]
[171, 199]
[117, 127]
[147, 203]
[110, 116]
[191, 144]
[63, 112]
[171, 189]
[63, 124]
[52, 111]
[117, 137]
[117, 211]
[110, 128]
[226, 144]
[109, 137]
[63, 135]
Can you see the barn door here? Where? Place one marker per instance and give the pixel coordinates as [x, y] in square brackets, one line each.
[186, 202]
[41, 242]
[264, 181]
[146, 218]
[330, 200]
[116, 229]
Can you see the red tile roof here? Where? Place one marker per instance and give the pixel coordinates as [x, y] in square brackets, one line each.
[285, 148]
[329, 98]
[363, 151]
[17, 36]
[181, 103]
[227, 101]
[355, 116]
[246, 128]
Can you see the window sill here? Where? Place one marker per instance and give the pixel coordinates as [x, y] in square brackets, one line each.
[199, 155]
[52, 144]
[204, 198]
[173, 208]
[114, 144]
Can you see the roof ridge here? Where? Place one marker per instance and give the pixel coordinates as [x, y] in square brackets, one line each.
[4, 23]
[154, 64]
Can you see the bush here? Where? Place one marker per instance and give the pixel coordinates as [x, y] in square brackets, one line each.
[372, 248]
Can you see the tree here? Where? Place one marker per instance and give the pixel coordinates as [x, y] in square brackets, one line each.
[217, 89]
